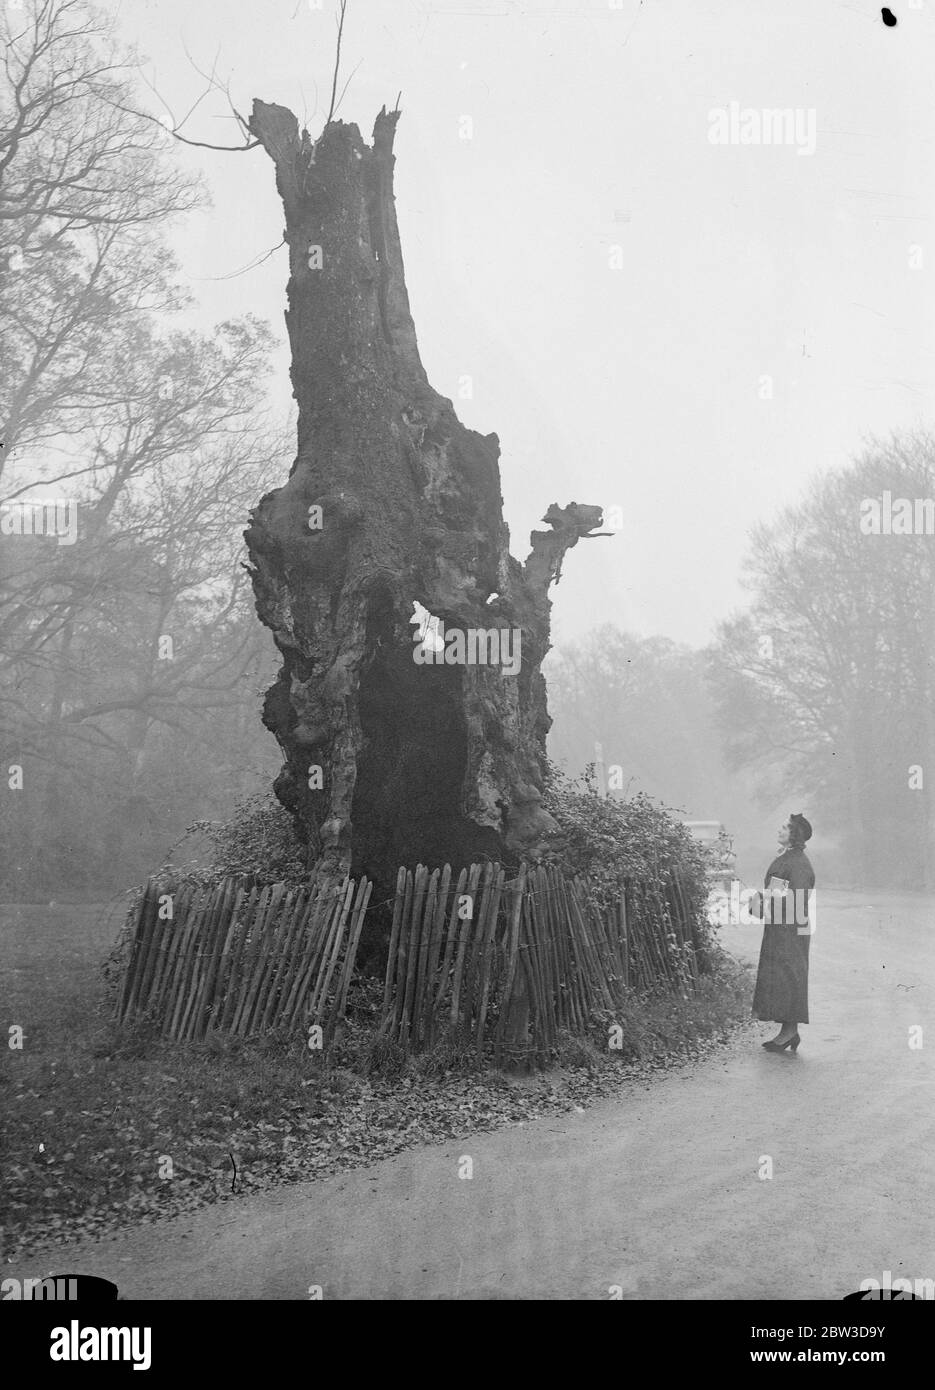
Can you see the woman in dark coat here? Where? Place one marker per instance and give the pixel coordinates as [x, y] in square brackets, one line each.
[782, 978]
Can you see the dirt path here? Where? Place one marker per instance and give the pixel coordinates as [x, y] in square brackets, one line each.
[656, 1192]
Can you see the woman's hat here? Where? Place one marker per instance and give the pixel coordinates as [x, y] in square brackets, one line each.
[801, 830]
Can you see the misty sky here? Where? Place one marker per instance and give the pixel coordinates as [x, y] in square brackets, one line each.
[638, 387]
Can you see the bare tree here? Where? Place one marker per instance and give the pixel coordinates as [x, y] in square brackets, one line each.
[407, 760]
[80, 182]
[827, 683]
[160, 439]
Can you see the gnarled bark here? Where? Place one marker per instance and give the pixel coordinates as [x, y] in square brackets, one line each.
[418, 762]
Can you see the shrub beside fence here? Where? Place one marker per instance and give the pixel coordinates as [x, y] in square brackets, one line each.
[506, 964]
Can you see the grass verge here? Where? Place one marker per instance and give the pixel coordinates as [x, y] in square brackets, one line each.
[104, 1128]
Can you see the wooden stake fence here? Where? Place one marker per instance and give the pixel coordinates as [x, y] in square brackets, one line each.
[513, 963]
[227, 960]
[505, 964]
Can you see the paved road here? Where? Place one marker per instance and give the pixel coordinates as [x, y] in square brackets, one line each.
[656, 1193]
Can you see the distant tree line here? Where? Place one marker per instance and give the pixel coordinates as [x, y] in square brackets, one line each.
[646, 703]
[820, 695]
[826, 684]
[131, 661]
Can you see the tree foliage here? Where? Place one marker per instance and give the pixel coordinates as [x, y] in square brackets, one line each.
[258, 840]
[606, 840]
[646, 702]
[826, 683]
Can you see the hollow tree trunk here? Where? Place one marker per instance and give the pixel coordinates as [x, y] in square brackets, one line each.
[418, 761]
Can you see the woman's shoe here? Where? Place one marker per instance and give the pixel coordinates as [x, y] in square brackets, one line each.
[792, 1042]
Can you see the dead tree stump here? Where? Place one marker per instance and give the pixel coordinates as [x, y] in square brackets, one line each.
[390, 501]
